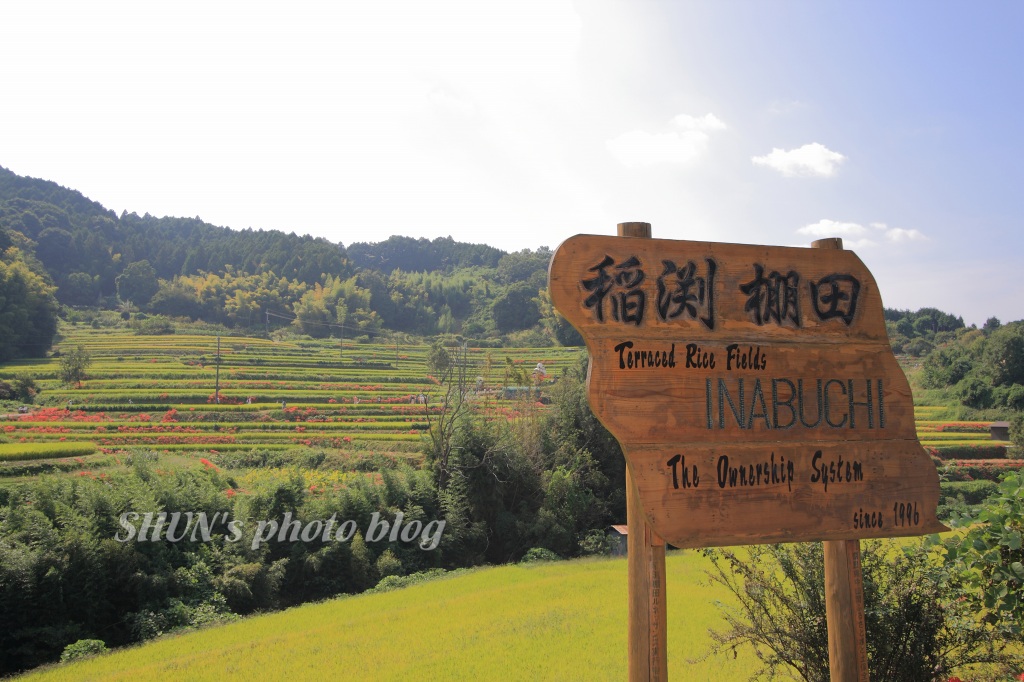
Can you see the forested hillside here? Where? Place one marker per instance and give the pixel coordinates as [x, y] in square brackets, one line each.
[184, 267]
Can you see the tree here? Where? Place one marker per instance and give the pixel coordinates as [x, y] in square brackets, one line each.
[312, 315]
[80, 289]
[54, 249]
[523, 266]
[516, 309]
[73, 365]
[25, 388]
[450, 413]
[556, 325]
[438, 359]
[176, 299]
[137, 283]
[1004, 354]
[28, 312]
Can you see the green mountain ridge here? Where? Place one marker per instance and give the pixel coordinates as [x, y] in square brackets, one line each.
[184, 267]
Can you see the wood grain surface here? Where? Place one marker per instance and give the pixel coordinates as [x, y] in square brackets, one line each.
[752, 388]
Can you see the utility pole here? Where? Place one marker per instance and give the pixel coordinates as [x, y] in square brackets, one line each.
[216, 389]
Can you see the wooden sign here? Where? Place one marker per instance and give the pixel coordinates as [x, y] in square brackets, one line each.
[752, 389]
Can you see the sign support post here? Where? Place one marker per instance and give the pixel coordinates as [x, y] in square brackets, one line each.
[844, 591]
[648, 633]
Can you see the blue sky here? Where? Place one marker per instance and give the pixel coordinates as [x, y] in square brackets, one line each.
[518, 124]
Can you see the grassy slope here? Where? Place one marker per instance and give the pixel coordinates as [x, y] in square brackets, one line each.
[564, 621]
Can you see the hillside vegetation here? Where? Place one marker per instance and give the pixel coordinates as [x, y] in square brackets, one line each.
[253, 279]
[547, 621]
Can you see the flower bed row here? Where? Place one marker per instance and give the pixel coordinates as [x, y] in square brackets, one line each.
[978, 469]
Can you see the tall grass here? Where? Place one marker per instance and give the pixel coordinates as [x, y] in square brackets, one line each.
[558, 621]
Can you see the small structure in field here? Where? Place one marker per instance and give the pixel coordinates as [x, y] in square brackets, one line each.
[999, 430]
[619, 535]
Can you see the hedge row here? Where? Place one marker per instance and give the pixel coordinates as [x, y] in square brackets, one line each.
[947, 452]
[972, 492]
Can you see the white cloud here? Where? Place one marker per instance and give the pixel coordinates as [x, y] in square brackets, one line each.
[682, 147]
[898, 234]
[832, 228]
[784, 107]
[706, 122]
[852, 234]
[808, 161]
[856, 236]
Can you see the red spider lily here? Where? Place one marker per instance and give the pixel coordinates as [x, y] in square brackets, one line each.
[208, 464]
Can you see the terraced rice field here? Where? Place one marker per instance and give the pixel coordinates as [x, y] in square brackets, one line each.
[169, 393]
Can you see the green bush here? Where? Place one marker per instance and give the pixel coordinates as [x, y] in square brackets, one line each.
[597, 542]
[539, 554]
[971, 492]
[970, 451]
[395, 582]
[987, 561]
[83, 648]
[1017, 429]
[917, 628]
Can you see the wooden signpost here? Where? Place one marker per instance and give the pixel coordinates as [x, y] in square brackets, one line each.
[756, 399]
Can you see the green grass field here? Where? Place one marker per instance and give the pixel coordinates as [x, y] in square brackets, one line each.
[552, 621]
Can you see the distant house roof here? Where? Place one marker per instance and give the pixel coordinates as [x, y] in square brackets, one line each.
[621, 529]
[1000, 425]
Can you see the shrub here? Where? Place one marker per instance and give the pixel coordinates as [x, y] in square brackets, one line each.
[971, 492]
[974, 392]
[971, 451]
[73, 365]
[597, 542]
[917, 628]
[395, 582]
[25, 388]
[83, 648]
[539, 554]
[918, 347]
[1017, 429]
[388, 564]
[988, 560]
